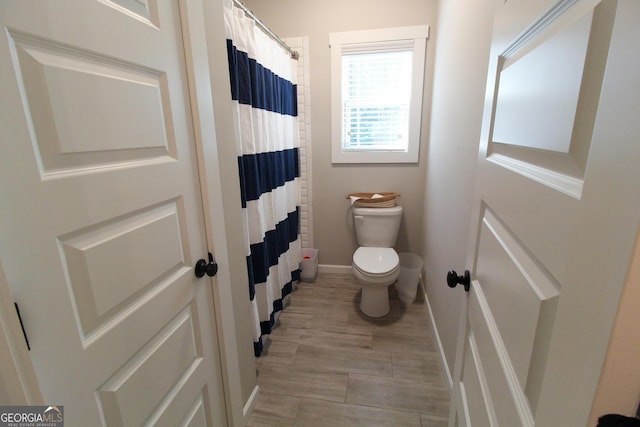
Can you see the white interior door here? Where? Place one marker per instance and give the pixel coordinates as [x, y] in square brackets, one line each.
[556, 211]
[101, 220]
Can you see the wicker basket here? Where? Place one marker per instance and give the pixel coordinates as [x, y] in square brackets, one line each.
[366, 200]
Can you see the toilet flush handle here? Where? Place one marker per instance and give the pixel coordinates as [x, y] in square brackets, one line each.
[358, 217]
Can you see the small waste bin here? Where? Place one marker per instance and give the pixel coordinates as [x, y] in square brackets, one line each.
[410, 269]
[309, 265]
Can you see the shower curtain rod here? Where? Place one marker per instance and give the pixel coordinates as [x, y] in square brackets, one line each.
[266, 29]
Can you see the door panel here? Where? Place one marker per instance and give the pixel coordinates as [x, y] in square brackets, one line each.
[145, 11]
[169, 358]
[102, 217]
[502, 391]
[518, 292]
[101, 294]
[539, 85]
[132, 121]
[548, 81]
[554, 212]
[473, 375]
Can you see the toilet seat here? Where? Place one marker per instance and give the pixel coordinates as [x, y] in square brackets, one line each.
[376, 262]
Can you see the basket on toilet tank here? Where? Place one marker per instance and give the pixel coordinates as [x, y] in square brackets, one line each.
[373, 200]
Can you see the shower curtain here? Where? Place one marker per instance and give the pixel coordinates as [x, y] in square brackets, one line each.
[264, 92]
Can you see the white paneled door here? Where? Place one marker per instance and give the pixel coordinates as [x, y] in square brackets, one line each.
[101, 216]
[557, 209]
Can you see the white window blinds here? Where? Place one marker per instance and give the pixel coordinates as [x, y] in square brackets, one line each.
[376, 95]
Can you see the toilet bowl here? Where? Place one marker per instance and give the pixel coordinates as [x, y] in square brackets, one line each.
[375, 269]
[376, 265]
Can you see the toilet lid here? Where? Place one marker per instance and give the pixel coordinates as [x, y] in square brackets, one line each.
[376, 260]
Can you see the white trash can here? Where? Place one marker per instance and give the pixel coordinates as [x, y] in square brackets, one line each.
[410, 269]
[309, 265]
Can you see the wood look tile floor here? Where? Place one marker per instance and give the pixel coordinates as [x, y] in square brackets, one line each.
[327, 364]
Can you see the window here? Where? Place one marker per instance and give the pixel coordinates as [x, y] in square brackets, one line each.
[376, 94]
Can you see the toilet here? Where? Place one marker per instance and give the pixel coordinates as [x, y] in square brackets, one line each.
[376, 264]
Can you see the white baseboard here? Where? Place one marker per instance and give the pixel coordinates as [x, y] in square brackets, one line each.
[328, 268]
[251, 402]
[443, 358]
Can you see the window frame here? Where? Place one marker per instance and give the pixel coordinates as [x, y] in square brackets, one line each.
[372, 40]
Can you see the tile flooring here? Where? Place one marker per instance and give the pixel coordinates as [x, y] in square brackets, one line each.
[327, 364]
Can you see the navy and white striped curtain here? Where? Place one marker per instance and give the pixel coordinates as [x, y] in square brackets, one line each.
[263, 88]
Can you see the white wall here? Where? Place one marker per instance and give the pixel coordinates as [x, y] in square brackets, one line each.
[462, 53]
[333, 230]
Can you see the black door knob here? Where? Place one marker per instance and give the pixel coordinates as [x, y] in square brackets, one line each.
[453, 279]
[209, 268]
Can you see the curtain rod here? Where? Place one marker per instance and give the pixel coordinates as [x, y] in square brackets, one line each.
[266, 29]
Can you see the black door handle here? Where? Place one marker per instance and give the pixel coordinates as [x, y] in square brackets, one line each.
[209, 268]
[453, 279]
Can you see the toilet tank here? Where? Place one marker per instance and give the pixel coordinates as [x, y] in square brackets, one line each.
[377, 227]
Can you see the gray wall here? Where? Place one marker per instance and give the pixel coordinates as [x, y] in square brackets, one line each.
[462, 54]
[333, 231]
